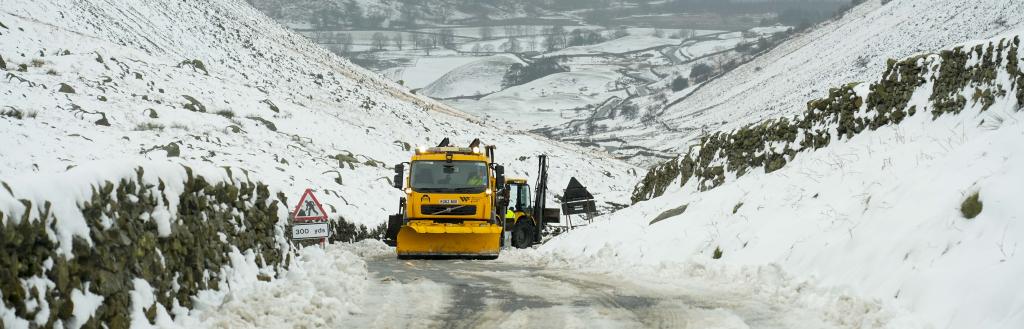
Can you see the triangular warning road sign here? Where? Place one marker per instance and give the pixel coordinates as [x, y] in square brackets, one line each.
[309, 209]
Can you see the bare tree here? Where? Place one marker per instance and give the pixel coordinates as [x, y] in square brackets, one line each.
[448, 38]
[685, 33]
[550, 41]
[512, 45]
[380, 41]
[561, 35]
[345, 40]
[416, 39]
[510, 30]
[435, 40]
[423, 42]
[398, 40]
[720, 60]
[426, 44]
[427, 47]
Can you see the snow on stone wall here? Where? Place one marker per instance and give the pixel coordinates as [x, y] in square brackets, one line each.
[83, 246]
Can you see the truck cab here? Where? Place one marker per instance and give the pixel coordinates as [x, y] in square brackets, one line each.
[450, 204]
[458, 189]
[519, 219]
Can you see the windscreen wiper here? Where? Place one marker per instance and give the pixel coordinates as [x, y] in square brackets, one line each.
[429, 189]
[467, 189]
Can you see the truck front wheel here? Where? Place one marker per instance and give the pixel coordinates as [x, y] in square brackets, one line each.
[523, 233]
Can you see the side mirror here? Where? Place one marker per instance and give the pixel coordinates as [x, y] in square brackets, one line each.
[499, 177]
[399, 176]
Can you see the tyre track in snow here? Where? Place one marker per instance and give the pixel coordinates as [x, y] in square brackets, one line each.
[496, 294]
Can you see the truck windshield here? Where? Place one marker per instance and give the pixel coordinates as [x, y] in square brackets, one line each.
[450, 177]
[519, 197]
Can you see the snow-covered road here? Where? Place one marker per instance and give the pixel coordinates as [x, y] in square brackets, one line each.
[362, 285]
[511, 294]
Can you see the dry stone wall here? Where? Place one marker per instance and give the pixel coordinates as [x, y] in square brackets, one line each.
[848, 111]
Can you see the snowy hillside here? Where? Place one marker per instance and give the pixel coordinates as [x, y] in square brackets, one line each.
[779, 83]
[605, 80]
[271, 103]
[550, 100]
[903, 190]
[425, 71]
[152, 117]
[480, 77]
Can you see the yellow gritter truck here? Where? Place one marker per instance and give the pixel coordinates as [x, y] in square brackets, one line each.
[451, 206]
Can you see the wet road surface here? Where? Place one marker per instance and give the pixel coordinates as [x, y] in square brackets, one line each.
[494, 294]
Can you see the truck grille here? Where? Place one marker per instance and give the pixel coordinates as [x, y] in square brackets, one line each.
[428, 210]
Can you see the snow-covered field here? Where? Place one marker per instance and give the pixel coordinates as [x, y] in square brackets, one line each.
[547, 101]
[526, 43]
[598, 72]
[708, 47]
[477, 78]
[423, 71]
[616, 46]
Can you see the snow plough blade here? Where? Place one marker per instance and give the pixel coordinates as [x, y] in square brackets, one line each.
[470, 239]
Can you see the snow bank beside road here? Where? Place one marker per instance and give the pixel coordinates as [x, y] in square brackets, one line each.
[328, 287]
[903, 190]
[878, 215]
[723, 295]
[322, 288]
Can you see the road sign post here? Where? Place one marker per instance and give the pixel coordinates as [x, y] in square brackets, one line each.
[309, 220]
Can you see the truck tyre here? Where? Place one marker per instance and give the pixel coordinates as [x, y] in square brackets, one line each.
[523, 233]
[391, 234]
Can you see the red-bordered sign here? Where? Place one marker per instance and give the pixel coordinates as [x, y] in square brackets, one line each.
[309, 209]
